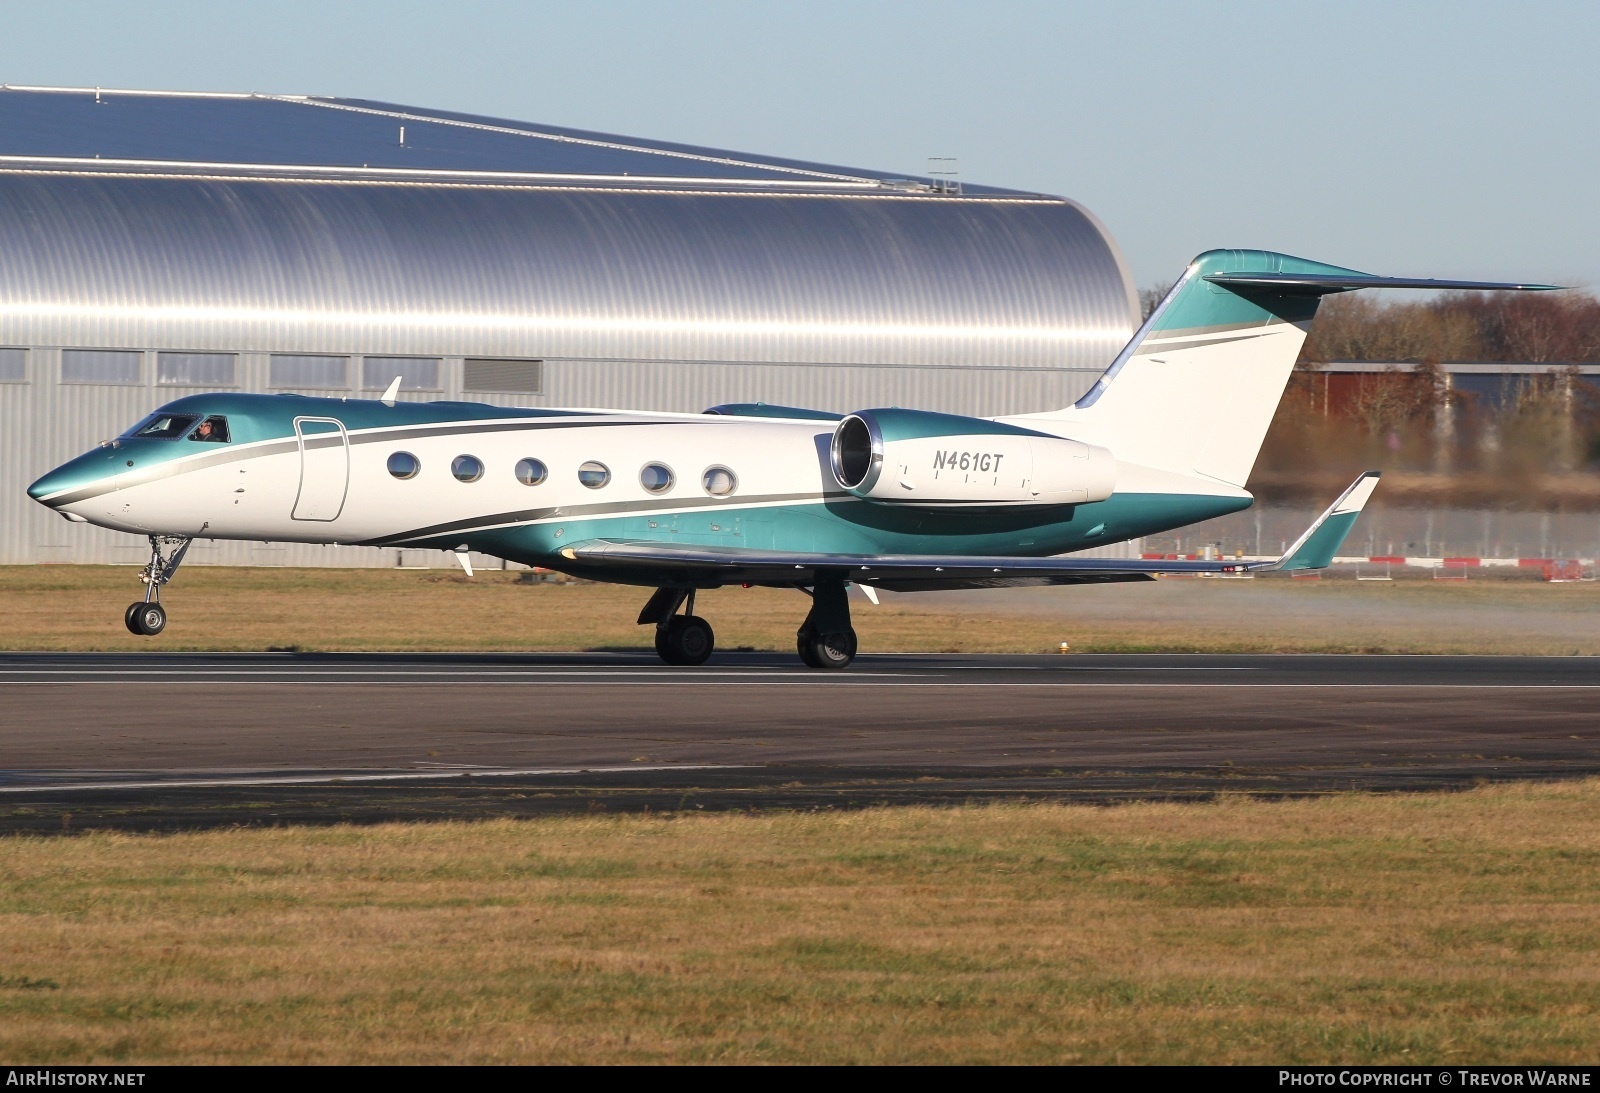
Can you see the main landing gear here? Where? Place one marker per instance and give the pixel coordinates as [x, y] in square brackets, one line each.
[147, 617]
[824, 640]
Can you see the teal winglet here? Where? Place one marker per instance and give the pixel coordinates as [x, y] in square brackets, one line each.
[1321, 541]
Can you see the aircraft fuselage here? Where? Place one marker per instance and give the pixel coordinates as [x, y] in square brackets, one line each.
[524, 484]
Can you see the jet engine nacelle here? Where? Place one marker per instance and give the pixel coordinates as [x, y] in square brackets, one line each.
[918, 458]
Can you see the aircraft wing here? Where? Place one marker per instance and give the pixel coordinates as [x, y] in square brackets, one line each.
[675, 562]
[896, 572]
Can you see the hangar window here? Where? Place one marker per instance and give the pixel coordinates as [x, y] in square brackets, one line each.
[656, 477]
[719, 481]
[13, 366]
[307, 371]
[113, 366]
[404, 465]
[490, 375]
[466, 468]
[531, 472]
[594, 475]
[196, 369]
[416, 373]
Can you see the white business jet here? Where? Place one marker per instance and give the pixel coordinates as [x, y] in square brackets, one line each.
[753, 494]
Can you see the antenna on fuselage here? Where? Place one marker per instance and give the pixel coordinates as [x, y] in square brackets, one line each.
[389, 393]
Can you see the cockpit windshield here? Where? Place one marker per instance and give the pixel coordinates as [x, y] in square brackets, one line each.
[159, 426]
[213, 429]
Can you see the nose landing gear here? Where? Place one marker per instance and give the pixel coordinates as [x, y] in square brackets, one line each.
[148, 618]
[145, 619]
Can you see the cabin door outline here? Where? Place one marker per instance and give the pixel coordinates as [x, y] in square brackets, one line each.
[324, 468]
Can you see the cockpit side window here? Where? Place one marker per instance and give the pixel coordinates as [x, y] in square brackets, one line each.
[159, 426]
[213, 429]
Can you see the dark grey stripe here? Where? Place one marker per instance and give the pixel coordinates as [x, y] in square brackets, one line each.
[172, 468]
[528, 516]
[1194, 331]
[1149, 350]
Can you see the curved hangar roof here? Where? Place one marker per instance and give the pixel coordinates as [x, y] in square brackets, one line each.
[259, 222]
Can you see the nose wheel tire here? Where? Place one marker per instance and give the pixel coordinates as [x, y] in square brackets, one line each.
[146, 619]
[826, 650]
[685, 640]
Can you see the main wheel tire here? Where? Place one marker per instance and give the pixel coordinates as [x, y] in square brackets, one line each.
[130, 617]
[151, 619]
[831, 650]
[686, 640]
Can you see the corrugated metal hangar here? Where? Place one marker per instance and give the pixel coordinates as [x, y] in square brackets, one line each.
[157, 244]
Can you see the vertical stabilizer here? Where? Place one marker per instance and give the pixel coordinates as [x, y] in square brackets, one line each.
[1195, 390]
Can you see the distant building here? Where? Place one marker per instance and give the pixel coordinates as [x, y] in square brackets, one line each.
[1466, 384]
[155, 244]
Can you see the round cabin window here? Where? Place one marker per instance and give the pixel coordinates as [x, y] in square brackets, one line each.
[656, 477]
[404, 465]
[531, 472]
[594, 475]
[719, 481]
[466, 468]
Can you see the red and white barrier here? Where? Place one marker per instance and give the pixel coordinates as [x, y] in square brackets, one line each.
[1552, 569]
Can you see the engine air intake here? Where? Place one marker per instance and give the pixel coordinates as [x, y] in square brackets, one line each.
[927, 460]
[853, 452]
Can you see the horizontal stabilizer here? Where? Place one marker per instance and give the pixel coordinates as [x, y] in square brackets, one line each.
[1321, 541]
[1311, 284]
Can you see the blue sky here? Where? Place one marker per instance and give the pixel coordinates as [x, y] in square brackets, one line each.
[1434, 139]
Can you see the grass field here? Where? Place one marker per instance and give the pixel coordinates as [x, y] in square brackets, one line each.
[1430, 929]
[80, 607]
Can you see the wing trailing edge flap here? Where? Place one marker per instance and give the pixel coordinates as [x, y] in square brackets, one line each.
[922, 572]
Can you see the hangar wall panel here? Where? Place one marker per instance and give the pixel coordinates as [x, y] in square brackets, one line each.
[424, 270]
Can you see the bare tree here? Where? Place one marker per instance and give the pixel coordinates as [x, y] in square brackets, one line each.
[1459, 326]
[1152, 296]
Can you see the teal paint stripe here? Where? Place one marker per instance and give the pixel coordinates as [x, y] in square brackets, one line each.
[897, 424]
[271, 417]
[849, 526]
[1200, 303]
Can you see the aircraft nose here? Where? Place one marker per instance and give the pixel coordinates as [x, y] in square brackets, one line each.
[56, 487]
[54, 482]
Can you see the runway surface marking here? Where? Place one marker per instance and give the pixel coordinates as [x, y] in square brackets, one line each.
[584, 673]
[401, 776]
[933, 684]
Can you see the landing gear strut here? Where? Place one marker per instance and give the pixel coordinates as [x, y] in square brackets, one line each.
[147, 617]
[825, 639]
[684, 639]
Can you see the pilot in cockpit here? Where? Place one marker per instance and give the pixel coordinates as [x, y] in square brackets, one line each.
[213, 429]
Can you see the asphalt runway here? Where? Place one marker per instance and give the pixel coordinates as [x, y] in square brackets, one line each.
[159, 741]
